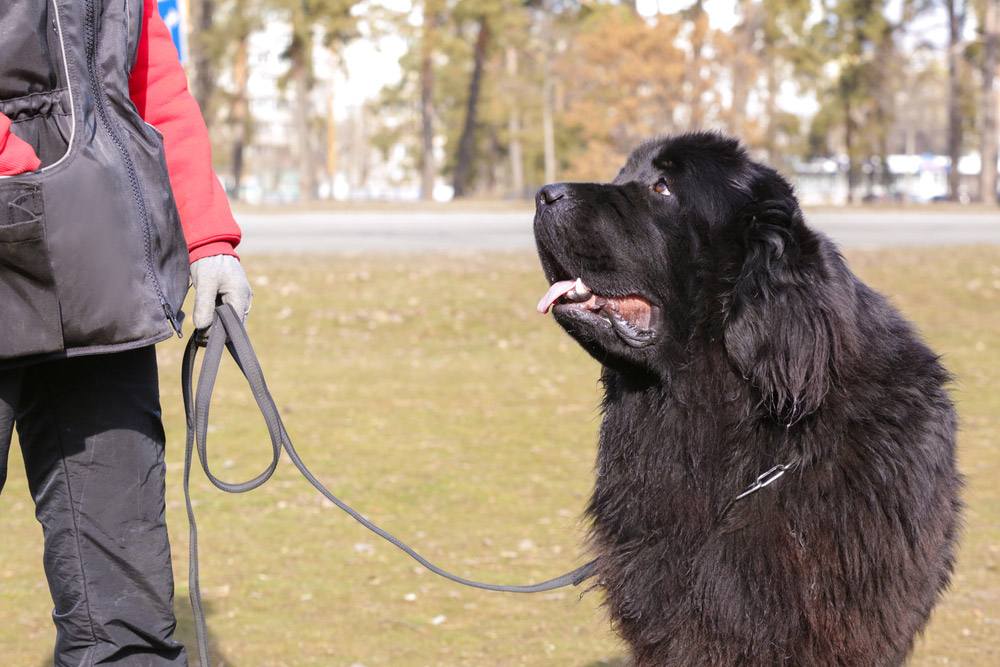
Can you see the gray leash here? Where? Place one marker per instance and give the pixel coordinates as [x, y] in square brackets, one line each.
[227, 332]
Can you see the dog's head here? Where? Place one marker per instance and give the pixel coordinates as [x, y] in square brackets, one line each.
[693, 241]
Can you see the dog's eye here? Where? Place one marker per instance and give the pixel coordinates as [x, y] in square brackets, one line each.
[661, 187]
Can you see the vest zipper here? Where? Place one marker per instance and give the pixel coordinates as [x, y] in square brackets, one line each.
[95, 83]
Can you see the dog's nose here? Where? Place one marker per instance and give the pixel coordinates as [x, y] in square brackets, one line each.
[550, 194]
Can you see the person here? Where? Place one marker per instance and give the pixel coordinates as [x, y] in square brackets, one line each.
[101, 224]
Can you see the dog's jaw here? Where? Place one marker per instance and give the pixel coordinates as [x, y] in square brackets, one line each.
[635, 319]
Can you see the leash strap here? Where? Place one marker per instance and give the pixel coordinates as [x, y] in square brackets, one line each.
[227, 332]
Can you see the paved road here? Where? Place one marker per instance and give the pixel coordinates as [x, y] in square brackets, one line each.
[422, 231]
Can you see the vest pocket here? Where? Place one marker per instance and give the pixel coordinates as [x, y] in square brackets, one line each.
[30, 321]
[44, 121]
[34, 80]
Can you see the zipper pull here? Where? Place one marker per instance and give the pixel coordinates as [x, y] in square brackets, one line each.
[169, 312]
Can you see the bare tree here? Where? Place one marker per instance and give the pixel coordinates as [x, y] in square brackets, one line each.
[239, 25]
[956, 20]
[548, 101]
[201, 55]
[240, 110]
[300, 73]
[514, 129]
[466, 145]
[333, 22]
[746, 35]
[988, 137]
[432, 16]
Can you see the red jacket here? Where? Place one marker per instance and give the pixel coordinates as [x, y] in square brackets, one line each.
[158, 88]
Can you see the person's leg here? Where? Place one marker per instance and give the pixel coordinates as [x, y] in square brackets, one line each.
[93, 445]
[10, 386]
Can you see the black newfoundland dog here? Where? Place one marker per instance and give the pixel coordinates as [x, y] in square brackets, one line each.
[776, 479]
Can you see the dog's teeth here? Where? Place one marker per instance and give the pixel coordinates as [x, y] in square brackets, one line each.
[579, 292]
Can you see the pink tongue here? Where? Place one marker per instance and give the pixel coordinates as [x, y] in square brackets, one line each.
[557, 290]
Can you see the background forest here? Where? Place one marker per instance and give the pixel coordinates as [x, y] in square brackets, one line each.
[493, 98]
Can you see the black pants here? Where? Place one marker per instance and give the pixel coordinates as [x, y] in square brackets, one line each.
[92, 441]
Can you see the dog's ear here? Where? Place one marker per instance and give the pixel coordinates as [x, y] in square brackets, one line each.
[779, 331]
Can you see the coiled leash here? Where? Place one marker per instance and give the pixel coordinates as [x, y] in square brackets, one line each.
[227, 332]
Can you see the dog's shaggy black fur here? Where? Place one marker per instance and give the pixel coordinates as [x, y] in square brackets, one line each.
[735, 338]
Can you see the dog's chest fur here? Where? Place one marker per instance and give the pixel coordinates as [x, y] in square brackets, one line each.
[688, 581]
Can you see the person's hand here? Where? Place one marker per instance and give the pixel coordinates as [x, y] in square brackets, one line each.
[218, 279]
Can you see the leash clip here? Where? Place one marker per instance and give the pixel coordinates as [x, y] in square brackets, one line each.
[764, 479]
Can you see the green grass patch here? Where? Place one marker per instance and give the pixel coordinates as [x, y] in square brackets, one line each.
[426, 391]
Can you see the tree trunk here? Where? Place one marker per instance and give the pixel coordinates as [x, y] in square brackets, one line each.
[989, 138]
[741, 68]
[771, 112]
[955, 20]
[359, 154]
[429, 170]
[852, 175]
[514, 129]
[466, 145]
[548, 98]
[300, 78]
[427, 127]
[699, 25]
[884, 104]
[331, 141]
[203, 82]
[241, 110]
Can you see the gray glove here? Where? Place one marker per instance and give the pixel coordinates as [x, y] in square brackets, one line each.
[218, 278]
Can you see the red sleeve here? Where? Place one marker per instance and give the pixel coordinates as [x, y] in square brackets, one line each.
[16, 156]
[158, 88]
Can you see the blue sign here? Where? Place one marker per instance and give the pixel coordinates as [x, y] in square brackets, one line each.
[171, 12]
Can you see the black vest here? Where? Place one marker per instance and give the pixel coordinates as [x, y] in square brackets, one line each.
[92, 254]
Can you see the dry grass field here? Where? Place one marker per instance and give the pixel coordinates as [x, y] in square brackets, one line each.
[426, 391]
